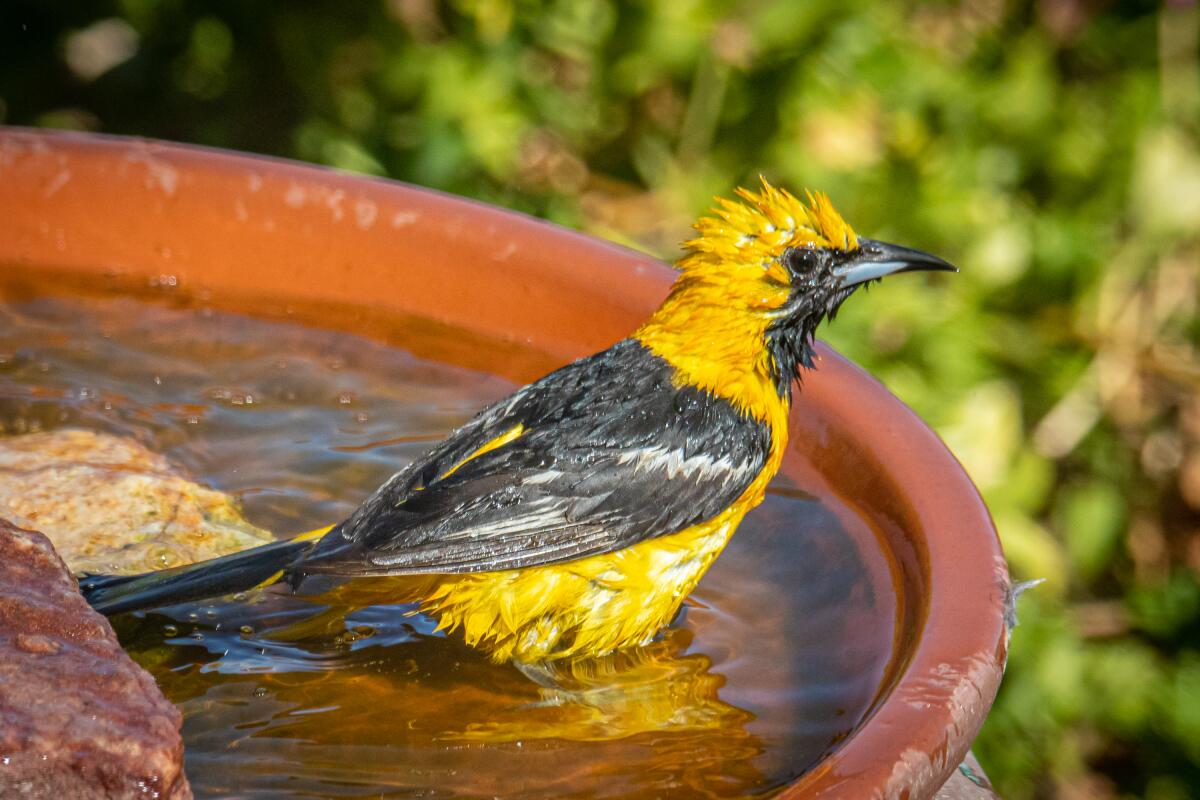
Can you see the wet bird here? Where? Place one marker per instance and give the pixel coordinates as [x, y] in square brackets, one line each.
[572, 518]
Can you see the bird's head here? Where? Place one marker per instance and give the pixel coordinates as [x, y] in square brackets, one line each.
[776, 266]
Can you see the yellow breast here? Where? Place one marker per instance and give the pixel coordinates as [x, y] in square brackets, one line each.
[581, 608]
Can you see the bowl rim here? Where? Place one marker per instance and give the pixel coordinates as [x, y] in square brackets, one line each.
[52, 183]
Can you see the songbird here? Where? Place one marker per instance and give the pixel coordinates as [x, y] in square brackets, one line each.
[572, 518]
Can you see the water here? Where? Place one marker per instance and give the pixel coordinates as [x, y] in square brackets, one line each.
[777, 658]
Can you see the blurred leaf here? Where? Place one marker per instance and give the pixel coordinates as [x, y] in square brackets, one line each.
[1182, 707]
[1123, 680]
[1165, 609]
[1032, 552]
[1167, 181]
[1093, 519]
[986, 431]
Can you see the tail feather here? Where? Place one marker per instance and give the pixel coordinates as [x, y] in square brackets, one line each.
[113, 594]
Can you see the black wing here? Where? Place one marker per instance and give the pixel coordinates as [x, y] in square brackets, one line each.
[612, 454]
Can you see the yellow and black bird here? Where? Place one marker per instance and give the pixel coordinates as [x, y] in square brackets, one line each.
[573, 517]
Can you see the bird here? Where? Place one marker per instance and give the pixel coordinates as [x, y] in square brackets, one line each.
[572, 518]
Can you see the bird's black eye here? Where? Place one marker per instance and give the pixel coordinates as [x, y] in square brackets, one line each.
[803, 261]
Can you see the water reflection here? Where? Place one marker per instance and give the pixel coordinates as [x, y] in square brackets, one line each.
[657, 688]
[381, 700]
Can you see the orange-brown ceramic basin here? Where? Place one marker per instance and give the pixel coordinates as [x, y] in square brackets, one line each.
[240, 226]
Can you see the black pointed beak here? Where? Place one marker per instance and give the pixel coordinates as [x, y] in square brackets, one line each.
[875, 259]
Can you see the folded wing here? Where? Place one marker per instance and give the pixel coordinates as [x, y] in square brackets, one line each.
[609, 453]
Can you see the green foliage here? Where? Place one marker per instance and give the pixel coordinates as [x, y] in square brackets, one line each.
[1051, 149]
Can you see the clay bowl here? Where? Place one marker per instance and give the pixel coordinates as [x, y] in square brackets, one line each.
[248, 226]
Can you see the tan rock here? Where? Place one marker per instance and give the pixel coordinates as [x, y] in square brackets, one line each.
[112, 506]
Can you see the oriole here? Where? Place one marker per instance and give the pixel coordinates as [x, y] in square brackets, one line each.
[573, 517]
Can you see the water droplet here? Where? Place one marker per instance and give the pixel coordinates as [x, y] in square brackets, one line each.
[198, 636]
[261, 691]
[346, 398]
[193, 616]
[246, 630]
[170, 630]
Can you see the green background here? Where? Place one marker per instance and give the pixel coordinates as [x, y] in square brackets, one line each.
[1051, 149]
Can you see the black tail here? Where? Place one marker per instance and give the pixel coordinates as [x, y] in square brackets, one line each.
[113, 594]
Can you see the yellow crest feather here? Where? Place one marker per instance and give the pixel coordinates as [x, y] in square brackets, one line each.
[769, 221]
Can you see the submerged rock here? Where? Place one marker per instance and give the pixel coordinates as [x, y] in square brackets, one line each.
[112, 506]
[78, 719]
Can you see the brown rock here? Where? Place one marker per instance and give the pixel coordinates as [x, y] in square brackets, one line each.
[78, 719]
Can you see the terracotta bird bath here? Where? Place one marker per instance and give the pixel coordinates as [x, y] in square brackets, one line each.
[358, 250]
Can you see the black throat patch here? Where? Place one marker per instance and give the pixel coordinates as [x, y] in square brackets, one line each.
[790, 343]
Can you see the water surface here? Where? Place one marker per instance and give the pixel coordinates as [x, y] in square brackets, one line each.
[776, 658]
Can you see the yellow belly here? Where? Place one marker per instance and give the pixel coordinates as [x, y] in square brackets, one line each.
[587, 607]
[581, 608]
